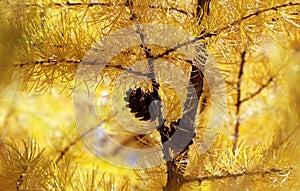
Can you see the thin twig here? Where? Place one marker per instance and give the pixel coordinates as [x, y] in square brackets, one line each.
[77, 139]
[204, 35]
[68, 4]
[47, 62]
[238, 102]
[240, 174]
[259, 90]
[275, 8]
[257, 13]
[203, 8]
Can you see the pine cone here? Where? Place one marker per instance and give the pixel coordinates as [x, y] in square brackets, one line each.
[140, 104]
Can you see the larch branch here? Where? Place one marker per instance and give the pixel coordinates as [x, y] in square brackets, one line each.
[64, 151]
[204, 35]
[238, 102]
[203, 8]
[95, 4]
[47, 62]
[239, 174]
[258, 91]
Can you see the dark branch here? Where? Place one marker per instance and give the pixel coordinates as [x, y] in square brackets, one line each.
[257, 13]
[275, 8]
[204, 35]
[203, 8]
[238, 102]
[47, 62]
[258, 91]
[64, 151]
[68, 4]
[67, 148]
[174, 178]
[235, 175]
